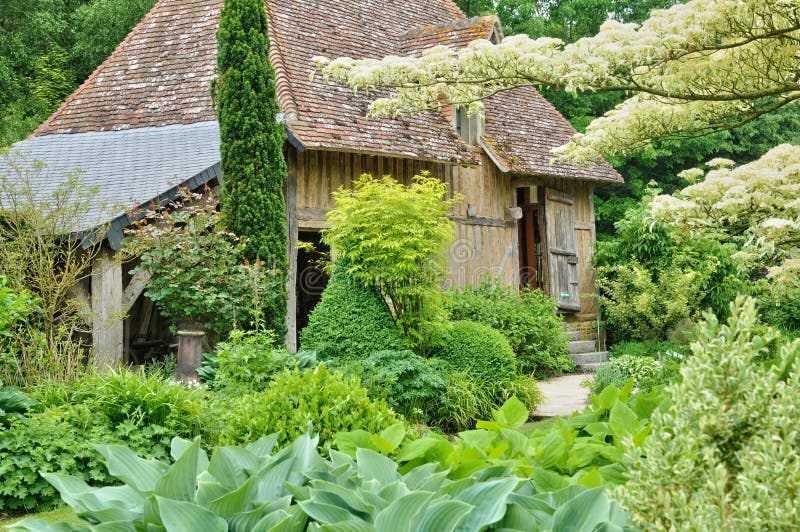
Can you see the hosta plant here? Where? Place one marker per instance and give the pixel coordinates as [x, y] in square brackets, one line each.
[295, 489]
[585, 449]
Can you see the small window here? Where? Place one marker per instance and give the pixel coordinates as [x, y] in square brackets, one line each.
[469, 128]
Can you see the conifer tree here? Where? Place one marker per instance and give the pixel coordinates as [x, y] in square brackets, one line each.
[253, 166]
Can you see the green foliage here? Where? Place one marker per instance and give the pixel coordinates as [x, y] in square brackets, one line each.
[252, 142]
[408, 382]
[646, 372]
[637, 307]
[295, 398]
[527, 318]
[13, 404]
[724, 455]
[48, 47]
[138, 409]
[296, 489]
[644, 349]
[15, 307]
[248, 361]
[478, 350]
[200, 275]
[351, 321]
[395, 238]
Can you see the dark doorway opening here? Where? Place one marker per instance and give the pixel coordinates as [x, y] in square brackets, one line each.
[531, 238]
[312, 254]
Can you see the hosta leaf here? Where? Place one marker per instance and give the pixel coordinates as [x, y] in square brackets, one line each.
[295, 522]
[263, 446]
[606, 398]
[180, 515]
[444, 516]
[404, 513]
[325, 513]
[390, 438]
[231, 466]
[236, 501]
[136, 472]
[40, 525]
[517, 442]
[114, 526]
[426, 477]
[514, 413]
[433, 448]
[113, 503]
[613, 474]
[590, 478]
[583, 512]
[348, 442]
[372, 465]
[349, 526]
[552, 451]
[333, 493]
[623, 421]
[180, 480]
[489, 499]
[247, 521]
[518, 518]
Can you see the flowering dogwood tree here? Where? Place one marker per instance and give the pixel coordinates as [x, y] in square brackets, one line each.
[696, 68]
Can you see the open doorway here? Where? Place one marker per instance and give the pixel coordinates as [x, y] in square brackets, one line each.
[531, 238]
[311, 277]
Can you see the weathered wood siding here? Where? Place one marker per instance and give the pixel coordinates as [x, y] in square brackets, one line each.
[485, 241]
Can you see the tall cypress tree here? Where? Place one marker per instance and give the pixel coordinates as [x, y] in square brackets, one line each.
[253, 166]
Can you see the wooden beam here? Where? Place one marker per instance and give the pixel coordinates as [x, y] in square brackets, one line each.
[291, 279]
[135, 288]
[487, 222]
[107, 311]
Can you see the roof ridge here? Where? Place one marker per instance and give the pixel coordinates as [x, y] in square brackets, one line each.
[96, 71]
[283, 87]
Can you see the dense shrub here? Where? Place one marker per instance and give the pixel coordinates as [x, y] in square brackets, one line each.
[642, 349]
[351, 321]
[724, 455]
[637, 307]
[328, 400]
[248, 361]
[527, 318]
[645, 371]
[476, 349]
[395, 238]
[408, 382]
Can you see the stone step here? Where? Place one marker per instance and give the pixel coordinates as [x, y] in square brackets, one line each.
[590, 368]
[581, 346]
[594, 357]
[573, 335]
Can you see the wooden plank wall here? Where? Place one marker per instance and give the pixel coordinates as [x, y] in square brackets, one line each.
[485, 243]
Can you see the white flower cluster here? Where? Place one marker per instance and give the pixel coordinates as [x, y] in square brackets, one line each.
[697, 66]
[756, 204]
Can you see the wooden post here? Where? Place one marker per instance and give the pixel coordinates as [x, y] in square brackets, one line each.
[291, 251]
[107, 311]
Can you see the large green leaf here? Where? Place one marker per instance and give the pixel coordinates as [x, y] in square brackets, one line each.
[583, 512]
[546, 481]
[372, 465]
[180, 480]
[552, 451]
[389, 438]
[263, 446]
[349, 526]
[403, 514]
[232, 466]
[113, 503]
[295, 521]
[444, 516]
[513, 412]
[247, 521]
[349, 442]
[40, 525]
[125, 465]
[325, 513]
[330, 492]
[623, 421]
[489, 499]
[180, 515]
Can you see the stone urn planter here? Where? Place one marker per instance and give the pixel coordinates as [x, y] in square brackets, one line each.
[190, 352]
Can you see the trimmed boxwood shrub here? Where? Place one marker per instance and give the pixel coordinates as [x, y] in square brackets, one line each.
[478, 350]
[527, 318]
[351, 321]
[328, 400]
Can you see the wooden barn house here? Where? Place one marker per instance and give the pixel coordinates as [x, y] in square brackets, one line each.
[143, 124]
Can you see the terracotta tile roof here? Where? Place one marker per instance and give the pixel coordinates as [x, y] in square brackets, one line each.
[454, 34]
[161, 75]
[522, 128]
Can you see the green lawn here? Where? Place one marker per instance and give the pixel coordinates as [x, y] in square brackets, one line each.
[61, 514]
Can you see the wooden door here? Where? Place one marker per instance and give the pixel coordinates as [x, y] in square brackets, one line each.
[562, 251]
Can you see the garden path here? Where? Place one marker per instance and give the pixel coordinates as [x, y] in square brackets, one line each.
[563, 395]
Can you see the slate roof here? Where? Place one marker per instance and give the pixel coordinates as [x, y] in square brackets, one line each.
[130, 168]
[160, 76]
